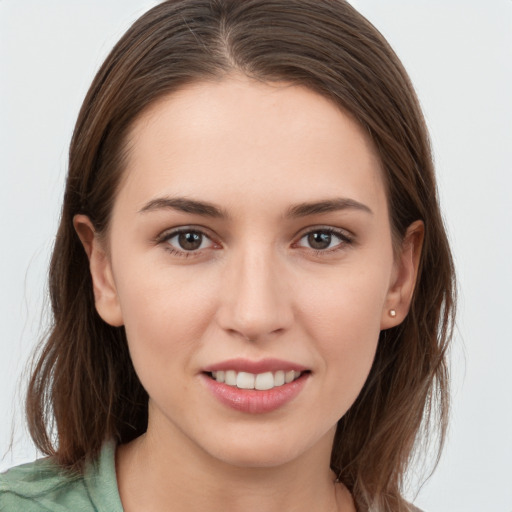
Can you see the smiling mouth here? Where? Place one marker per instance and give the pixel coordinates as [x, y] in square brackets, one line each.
[261, 381]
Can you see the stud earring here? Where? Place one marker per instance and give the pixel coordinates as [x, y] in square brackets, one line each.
[392, 313]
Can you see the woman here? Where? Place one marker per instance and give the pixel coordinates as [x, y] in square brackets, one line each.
[251, 284]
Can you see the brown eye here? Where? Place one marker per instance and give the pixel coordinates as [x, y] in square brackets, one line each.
[324, 240]
[319, 240]
[187, 240]
[190, 241]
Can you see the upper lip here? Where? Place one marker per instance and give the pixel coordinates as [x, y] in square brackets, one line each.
[256, 367]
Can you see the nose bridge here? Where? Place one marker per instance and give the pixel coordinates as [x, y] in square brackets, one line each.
[257, 303]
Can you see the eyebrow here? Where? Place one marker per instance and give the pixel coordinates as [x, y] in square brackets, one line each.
[326, 206]
[206, 209]
[185, 205]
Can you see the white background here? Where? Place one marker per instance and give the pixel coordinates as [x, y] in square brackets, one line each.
[459, 55]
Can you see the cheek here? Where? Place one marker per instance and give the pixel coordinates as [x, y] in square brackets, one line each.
[164, 313]
[343, 317]
[347, 338]
[165, 318]
[345, 305]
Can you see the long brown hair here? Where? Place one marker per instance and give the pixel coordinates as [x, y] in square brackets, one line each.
[84, 389]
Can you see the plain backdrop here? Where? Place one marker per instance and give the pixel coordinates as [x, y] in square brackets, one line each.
[459, 56]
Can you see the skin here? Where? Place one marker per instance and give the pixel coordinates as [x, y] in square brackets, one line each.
[256, 288]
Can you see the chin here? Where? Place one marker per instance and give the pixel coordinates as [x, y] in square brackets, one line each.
[267, 450]
[258, 457]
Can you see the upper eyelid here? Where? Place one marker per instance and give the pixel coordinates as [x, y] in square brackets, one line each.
[166, 234]
[342, 232]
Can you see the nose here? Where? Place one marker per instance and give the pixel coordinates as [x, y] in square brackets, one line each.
[255, 303]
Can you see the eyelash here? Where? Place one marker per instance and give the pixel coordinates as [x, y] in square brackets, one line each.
[346, 240]
[343, 236]
[169, 235]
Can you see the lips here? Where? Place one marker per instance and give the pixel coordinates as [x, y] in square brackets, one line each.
[255, 386]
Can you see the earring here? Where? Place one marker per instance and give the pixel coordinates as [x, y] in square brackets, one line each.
[392, 313]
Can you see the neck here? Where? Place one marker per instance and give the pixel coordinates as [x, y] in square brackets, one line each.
[154, 472]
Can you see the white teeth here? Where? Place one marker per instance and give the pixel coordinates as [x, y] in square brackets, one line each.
[289, 376]
[230, 378]
[245, 380]
[279, 378]
[264, 381]
[261, 381]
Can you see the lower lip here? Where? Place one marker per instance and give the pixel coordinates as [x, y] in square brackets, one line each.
[254, 401]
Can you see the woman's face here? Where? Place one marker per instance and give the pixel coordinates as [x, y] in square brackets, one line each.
[249, 242]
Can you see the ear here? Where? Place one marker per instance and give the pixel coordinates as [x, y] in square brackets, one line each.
[105, 293]
[404, 276]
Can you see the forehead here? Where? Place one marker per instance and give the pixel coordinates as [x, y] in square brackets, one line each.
[238, 140]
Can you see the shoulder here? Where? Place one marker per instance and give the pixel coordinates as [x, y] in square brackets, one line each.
[39, 486]
[42, 486]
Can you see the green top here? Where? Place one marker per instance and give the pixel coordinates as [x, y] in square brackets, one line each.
[42, 486]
